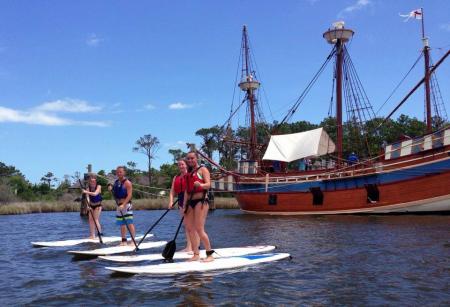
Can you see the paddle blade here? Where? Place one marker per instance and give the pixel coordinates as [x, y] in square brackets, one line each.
[169, 250]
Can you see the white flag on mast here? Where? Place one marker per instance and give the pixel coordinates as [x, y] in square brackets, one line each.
[416, 14]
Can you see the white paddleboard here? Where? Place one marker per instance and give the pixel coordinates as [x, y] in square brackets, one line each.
[198, 266]
[117, 249]
[220, 253]
[80, 241]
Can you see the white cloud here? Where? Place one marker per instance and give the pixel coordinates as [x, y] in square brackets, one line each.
[46, 114]
[149, 107]
[69, 106]
[179, 106]
[445, 26]
[176, 145]
[358, 5]
[93, 40]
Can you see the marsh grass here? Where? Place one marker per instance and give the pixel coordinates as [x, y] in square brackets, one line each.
[108, 205]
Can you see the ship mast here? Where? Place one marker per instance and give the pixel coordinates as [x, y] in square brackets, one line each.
[249, 85]
[338, 36]
[426, 54]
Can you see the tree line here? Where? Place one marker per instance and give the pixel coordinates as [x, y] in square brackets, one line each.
[365, 139]
[217, 142]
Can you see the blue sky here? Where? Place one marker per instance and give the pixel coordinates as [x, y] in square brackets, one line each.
[81, 81]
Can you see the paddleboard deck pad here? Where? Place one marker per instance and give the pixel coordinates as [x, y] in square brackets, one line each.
[74, 242]
[116, 249]
[198, 266]
[220, 253]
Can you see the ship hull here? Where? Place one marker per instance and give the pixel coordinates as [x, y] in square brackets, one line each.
[413, 189]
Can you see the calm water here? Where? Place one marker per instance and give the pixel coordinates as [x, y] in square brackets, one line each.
[337, 260]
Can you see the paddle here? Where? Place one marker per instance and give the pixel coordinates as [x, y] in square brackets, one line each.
[90, 212]
[171, 246]
[156, 223]
[125, 221]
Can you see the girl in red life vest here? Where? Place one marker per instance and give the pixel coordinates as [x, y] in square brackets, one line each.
[177, 190]
[196, 206]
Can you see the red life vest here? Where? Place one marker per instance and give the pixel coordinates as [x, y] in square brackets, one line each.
[179, 185]
[191, 178]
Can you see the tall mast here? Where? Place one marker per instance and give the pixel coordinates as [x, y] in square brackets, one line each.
[249, 84]
[426, 54]
[338, 36]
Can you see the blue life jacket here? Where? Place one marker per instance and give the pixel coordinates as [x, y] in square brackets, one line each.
[119, 189]
[97, 198]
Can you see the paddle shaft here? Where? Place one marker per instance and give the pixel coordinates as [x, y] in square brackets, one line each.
[92, 214]
[178, 229]
[156, 223]
[171, 246]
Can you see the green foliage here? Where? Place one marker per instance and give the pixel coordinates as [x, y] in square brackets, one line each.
[8, 170]
[211, 138]
[148, 145]
[177, 154]
[6, 192]
[14, 186]
[168, 171]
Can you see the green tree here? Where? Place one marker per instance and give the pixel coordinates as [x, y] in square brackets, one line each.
[177, 154]
[210, 137]
[8, 170]
[167, 172]
[148, 145]
[48, 179]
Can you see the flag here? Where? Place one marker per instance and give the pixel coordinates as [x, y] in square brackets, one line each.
[416, 14]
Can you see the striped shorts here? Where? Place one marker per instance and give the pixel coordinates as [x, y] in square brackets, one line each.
[127, 215]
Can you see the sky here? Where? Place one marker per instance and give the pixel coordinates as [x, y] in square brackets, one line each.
[81, 81]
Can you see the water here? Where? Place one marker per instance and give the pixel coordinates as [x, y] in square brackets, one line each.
[337, 260]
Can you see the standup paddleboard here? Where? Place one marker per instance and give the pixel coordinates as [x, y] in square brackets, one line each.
[117, 249]
[220, 253]
[198, 266]
[80, 241]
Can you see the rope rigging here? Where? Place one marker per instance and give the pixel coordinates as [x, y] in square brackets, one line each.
[399, 84]
[306, 90]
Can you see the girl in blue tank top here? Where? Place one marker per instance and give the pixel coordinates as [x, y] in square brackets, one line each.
[94, 191]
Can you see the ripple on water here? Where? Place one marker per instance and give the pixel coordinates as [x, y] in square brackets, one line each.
[337, 260]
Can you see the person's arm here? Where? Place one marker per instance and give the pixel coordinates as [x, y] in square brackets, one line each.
[185, 199]
[172, 193]
[95, 193]
[206, 177]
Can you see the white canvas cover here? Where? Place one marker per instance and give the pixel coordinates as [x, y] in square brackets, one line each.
[295, 146]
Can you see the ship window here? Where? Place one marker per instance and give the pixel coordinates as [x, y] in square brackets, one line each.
[417, 146]
[317, 196]
[395, 151]
[438, 139]
[272, 199]
[373, 194]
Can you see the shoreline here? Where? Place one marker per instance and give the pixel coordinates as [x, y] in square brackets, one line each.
[16, 208]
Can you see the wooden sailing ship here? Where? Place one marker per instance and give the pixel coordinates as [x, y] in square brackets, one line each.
[411, 175]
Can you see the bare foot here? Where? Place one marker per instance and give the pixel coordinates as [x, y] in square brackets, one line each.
[91, 238]
[123, 243]
[196, 257]
[208, 259]
[186, 250]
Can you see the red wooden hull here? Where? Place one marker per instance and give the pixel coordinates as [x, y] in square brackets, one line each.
[420, 195]
[427, 192]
